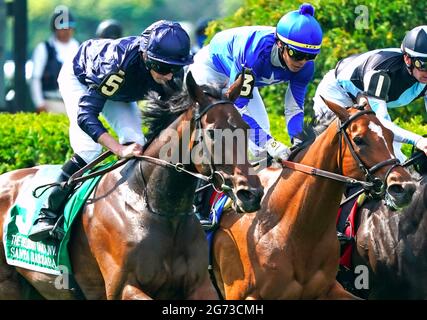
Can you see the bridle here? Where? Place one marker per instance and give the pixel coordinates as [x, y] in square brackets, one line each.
[373, 186]
[378, 186]
[214, 175]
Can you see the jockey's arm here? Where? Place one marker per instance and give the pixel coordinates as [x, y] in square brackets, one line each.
[400, 134]
[90, 106]
[294, 115]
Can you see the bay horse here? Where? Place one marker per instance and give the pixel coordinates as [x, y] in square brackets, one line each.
[137, 236]
[393, 245]
[289, 248]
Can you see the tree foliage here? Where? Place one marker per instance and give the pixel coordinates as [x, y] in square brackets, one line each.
[135, 15]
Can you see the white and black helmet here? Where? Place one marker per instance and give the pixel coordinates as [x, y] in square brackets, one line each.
[415, 43]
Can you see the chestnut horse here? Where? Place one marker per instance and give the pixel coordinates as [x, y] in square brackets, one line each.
[289, 248]
[393, 245]
[137, 236]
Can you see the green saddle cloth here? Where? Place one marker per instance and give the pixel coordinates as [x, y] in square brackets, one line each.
[49, 255]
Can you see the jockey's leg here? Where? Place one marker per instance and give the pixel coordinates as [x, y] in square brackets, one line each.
[50, 211]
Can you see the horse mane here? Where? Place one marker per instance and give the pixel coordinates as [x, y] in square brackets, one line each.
[322, 122]
[157, 114]
[310, 132]
[314, 128]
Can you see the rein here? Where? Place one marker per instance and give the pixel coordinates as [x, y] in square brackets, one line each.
[325, 174]
[374, 186]
[77, 177]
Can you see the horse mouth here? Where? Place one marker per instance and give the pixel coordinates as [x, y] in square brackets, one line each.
[398, 196]
[248, 200]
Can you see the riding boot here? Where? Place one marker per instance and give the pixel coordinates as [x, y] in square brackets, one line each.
[50, 212]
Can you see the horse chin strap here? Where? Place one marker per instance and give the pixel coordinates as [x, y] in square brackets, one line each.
[378, 188]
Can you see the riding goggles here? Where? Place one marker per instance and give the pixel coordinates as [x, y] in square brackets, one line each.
[420, 64]
[299, 56]
[162, 68]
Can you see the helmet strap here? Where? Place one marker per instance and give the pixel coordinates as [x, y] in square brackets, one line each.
[281, 53]
[411, 65]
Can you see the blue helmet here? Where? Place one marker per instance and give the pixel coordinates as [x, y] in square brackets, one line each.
[300, 30]
[166, 42]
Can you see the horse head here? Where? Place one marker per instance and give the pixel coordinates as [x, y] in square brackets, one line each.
[358, 130]
[221, 137]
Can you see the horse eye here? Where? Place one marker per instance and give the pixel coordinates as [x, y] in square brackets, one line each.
[358, 141]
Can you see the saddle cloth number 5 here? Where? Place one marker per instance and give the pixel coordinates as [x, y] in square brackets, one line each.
[112, 83]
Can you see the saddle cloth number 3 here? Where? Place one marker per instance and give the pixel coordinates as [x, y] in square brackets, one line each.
[112, 83]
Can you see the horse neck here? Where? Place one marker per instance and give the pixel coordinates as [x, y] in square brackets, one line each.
[168, 191]
[317, 198]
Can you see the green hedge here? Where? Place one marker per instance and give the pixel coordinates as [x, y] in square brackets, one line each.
[29, 139]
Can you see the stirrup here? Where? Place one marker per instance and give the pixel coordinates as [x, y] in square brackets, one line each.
[58, 232]
[343, 239]
[207, 224]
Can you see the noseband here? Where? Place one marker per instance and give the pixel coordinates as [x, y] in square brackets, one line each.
[378, 186]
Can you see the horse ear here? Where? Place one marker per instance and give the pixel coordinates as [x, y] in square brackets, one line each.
[362, 100]
[340, 112]
[195, 92]
[233, 91]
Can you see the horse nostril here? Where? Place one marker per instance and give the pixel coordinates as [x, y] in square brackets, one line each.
[251, 196]
[395, 189]
[244, 195]
[407, 189]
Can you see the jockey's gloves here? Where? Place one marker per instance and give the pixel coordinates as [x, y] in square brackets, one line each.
[422, 145]
[277, 150]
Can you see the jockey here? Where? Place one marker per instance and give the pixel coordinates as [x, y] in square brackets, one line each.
[109, 76]
[271, 55]
[390, 77]
[109, 29]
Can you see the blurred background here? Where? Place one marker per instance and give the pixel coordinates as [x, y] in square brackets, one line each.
[25, 23]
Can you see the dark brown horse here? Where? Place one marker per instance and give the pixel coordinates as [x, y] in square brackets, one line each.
[393, 245]
[137, 237]
[289, 248]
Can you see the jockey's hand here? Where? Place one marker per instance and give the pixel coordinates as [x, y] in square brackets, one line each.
[422, 145]
[277, 150]
[41, 108]
[131, 150]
